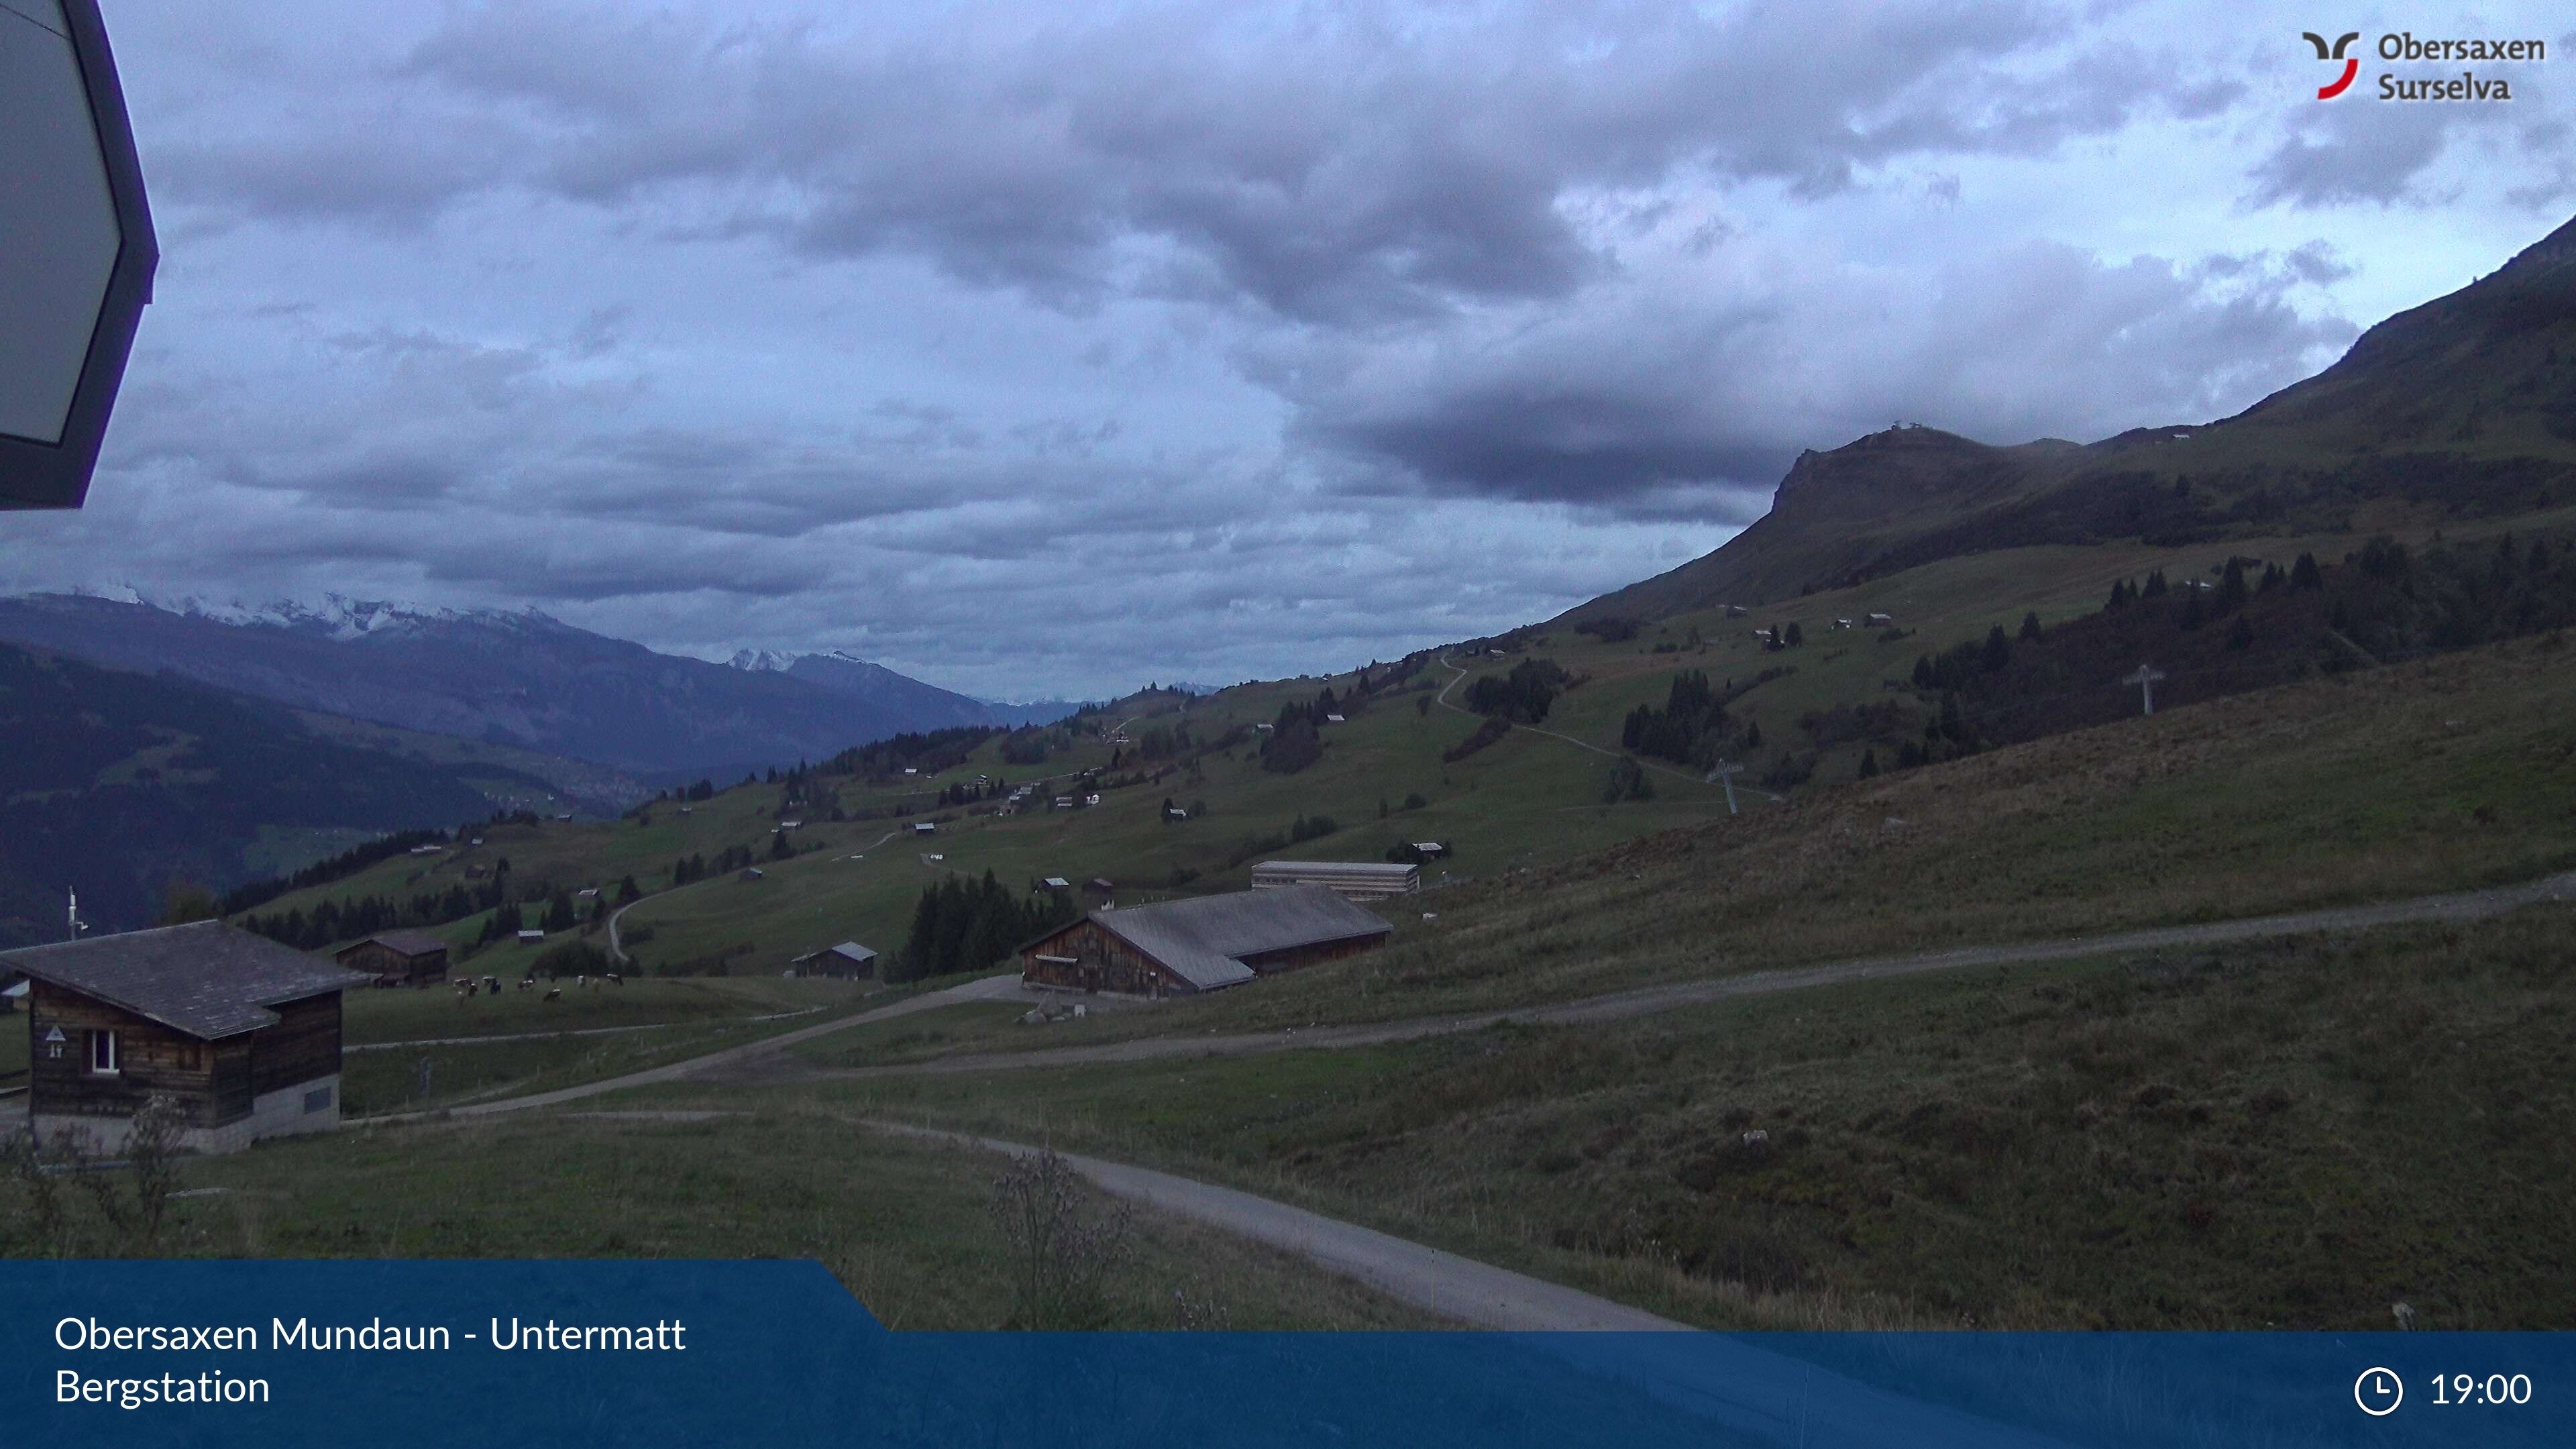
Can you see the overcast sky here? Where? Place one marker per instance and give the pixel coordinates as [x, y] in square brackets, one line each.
[1039, 353]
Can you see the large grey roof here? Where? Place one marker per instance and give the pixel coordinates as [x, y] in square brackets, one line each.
[207, 979]
[1200, 938]
[853, 950]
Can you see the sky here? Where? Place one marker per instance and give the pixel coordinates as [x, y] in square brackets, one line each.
[1043, 350]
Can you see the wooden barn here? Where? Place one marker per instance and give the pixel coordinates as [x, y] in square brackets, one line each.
[399, 958]
[1203, 944]
[846, 960]
[244, 1032]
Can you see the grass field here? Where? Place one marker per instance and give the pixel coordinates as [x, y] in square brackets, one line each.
[903, 1224]
[413, 1050]
[2448, 774]
[2292, 1134]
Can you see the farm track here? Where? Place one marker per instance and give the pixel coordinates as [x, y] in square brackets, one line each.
[1648, 1000]
[1738, 1385]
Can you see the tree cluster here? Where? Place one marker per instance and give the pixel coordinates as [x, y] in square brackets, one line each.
[1522, 696]
[962, 925]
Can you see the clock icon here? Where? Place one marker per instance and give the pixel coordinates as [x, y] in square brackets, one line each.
[2378, 1392]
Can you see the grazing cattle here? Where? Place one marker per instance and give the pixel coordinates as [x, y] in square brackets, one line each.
[554, 993]
[615, 979]
[528, 983]
[492, 984]
[581, 981]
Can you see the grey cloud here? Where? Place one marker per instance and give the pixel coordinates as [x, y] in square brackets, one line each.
[1672, 403]
[1353, 170]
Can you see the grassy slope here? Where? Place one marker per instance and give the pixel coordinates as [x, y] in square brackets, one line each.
[903, 1224]
[1527, 801]
[653, 1022]
[2442, 775]
[2283, 1134]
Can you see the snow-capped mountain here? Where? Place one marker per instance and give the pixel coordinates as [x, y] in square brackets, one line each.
[336, 616]
[519, 678]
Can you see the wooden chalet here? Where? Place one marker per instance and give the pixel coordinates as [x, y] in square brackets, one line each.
[399, 958]
[1206, 943]
[243, 1032]
[847, 960]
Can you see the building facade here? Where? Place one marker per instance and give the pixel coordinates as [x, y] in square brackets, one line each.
[1206, 943]
[242, 1033]
[399, 958]
[1359, 880]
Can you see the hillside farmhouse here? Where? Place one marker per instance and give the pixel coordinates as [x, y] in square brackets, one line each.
[848, 960]
[1360, 880]
[243, 1032]
[1207, 943]
[399, 958]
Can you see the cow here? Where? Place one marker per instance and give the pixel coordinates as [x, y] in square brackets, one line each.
[554, 993]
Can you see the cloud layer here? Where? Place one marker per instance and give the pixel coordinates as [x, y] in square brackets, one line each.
[1044, 352]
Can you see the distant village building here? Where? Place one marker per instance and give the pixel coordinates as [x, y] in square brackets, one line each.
[1430, 849]
[924, 827]
[399, 958]
[1882, 621]
[532, 936]
[848, 960]
[749, 873]
[1335, 719]
[244, 1033]
[1056, 883]
[1207, 943]
[1176, 813]
[1360, 880]
[1090, 800]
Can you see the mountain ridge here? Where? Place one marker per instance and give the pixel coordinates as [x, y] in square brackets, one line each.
[2464, 404]
[520, 678]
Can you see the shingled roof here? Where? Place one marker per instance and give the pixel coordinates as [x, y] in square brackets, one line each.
[408, 943]
[207, 979]
[1201, 939]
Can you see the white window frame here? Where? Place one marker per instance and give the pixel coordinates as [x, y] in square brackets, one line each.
[114, 1066]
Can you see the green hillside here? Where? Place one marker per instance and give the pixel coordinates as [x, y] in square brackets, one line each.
[117, 784]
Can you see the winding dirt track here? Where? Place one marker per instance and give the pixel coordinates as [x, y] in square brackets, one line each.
[1644, 1001]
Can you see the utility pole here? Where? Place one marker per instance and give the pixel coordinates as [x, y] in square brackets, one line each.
[1727, 770]
[2145, 679]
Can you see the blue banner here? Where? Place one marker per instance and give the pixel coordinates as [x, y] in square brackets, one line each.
[652, 1354]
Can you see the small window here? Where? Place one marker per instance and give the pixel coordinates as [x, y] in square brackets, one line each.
[318, 1100]
[102, 1053]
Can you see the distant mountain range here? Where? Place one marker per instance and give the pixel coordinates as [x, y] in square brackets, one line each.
[2465, 405]
[116, 783]
[520, 679]
[847, 674]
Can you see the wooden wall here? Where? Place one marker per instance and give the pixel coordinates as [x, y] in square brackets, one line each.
[150, 1058]
[378, 959]
[216, 1081]
[304, 1044]
[1267, 962]
[1103, 963]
